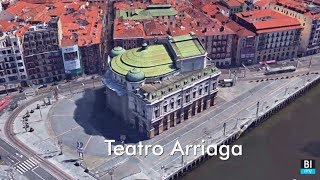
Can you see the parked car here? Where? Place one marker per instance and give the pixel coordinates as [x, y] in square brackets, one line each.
[43, 86]
[54, 84]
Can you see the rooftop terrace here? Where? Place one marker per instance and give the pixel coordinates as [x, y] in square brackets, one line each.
[148, 13]
[187, 46]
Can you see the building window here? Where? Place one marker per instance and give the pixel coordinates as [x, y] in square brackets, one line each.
[194, 94]
[200, 91]
[172, 105]
[157, 111]
[165, 108]
[206, 89]
[179, 102]
[187, 98]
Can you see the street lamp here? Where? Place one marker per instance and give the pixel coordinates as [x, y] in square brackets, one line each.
[70, 87]
[60, 146]
[224, 128]
[163, 171]
[38, 107]
[93, 77]
[110, 172]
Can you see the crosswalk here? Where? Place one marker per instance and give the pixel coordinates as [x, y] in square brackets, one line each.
[26, 165]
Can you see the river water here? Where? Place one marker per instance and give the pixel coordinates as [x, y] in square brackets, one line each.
[273, 150]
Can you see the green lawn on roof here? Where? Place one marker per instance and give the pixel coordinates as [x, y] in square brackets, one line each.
[182, 37]
[188, 49]
[154, 56]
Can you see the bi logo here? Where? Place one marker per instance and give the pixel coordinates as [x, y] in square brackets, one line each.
[308, 167]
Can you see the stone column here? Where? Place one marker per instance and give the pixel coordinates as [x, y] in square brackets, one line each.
[208, 102]
[196, 107]
[151, 133]
[160, 127]
[175, 118]
[190, 111]
[168, 121]
[201, 105]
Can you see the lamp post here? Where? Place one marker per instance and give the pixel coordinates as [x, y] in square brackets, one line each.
[38, 107]
[93, 77]
[257, 113]
[224, 128]
[60, 146]
[110, 172]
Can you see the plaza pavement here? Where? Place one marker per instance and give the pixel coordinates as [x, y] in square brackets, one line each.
[43, 143]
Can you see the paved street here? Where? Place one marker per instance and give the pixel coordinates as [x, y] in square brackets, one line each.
[25, 166]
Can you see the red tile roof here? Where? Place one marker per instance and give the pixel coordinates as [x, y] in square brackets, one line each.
[268, 20]
[25, 11]
[155, 28]
[8, 25]
[127, 5]
[232, 3]
[22, 30]
[84, 25]
[80, 24]
[299, 6]
[210, 9]
[262, 3]
[235, 27]
[127, 29]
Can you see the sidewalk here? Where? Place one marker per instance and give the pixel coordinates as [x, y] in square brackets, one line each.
[43, 143]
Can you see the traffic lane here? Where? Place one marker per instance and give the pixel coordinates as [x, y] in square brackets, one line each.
[7, 158]
[43, 174]
[78, 83]
[12, 151]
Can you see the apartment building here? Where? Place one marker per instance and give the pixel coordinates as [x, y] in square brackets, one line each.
[308, 14]
[277, 34]
[244, 41]
[42, 54]
[12, 67]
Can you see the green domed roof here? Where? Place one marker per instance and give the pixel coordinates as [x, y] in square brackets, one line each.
[117, 51]
[135, 75]
[153, 61]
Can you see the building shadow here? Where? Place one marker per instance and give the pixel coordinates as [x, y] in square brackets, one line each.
[96, 119]
[313, 149]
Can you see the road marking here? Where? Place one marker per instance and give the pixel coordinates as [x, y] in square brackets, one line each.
[87, 142]
[26, 165]
[19, 171]
[34, 160]
[19, 155]
[37, 174]
[31, 162]
[22, 168]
